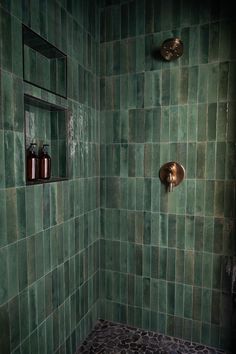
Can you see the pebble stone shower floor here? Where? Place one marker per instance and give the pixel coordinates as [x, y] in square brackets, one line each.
[113, 338]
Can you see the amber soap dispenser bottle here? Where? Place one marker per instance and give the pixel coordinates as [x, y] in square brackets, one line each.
[44, 163]
[32, 163]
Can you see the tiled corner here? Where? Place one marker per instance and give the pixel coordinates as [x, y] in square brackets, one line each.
[170, 247]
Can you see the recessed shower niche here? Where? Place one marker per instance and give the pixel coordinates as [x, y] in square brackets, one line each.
[46, 123]
[44, 65]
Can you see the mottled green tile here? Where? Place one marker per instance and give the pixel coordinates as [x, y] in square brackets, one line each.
[208, 234]
[179, 304]
[4, 280]
[12, 260]
[219, 198]
[183, 94]
[165, 96]
[192, 122]
[201, 160]
[200, 192]
[191, 195]
[216, 281]
[221, 122]
[207, 269]
[14, 322]
[198, 269]
[209, 198]
[6, 35]
[180, 231]
[224, 40]
[22, 264]
[223, 80]
[9, 161]
[171, 265]
[5, 325]
[206, 305]
[139, 159]
[211, 160]
[204, 43]
[202, 119]
[230, 158]
[193, 83]
[202, 82]
[3, 220]
[229, 197]
[131, 160]
[231, 123]
[179, 274]
[162, 300]
[213, 79]
[188, 301]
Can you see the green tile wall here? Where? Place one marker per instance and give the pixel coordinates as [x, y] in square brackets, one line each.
[43, 72]
[49, 234]
[161, 259]
[163, 255]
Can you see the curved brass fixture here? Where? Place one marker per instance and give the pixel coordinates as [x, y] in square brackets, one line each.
[171, 174]
[171, 49]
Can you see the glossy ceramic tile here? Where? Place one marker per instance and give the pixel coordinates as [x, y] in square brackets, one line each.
[172, 245]
[49, 232]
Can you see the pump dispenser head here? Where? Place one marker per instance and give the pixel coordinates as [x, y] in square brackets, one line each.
[45, 148]
[32, 147]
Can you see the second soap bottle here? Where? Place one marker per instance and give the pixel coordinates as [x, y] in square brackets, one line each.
[44, 163]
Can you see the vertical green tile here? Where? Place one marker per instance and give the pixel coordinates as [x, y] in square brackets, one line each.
[9, 160]
[201, 160]
[171, 265]
[179, 264]
[202, 82]
[210, 160]
[219, 198]
[5, 325]
[213, 79]
[6, 34]
[162, 298]
[206, 305]
[189, 267]
[188, 301]
[221, 122]
[179, 303]
[12, 261]
[4, 279]
[193, 81]
[14, 322]
[223, 80]
[30, 214]
[204, 43]
[189, 232]
[3, 223]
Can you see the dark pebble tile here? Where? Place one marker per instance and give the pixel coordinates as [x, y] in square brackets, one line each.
[114, 338]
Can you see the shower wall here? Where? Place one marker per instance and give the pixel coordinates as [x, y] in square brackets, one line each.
[163, 254]
[49, 233]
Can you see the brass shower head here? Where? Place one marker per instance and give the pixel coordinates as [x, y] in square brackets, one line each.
[171, 49]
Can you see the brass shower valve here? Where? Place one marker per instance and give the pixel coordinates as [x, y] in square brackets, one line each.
[171, 174]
